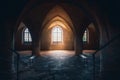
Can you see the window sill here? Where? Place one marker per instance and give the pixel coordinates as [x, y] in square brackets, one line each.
[27, 43]
[57, 43]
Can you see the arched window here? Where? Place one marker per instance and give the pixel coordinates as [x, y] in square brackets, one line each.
[85, 36]
[57, 35]
[26, 36]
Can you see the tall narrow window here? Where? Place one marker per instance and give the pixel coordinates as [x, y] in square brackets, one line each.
[57, 34]
[85, 36]
[26, 36]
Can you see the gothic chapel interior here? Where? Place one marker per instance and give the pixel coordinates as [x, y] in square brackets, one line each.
[82, 36]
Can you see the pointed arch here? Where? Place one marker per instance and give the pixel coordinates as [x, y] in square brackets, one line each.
[58, 15]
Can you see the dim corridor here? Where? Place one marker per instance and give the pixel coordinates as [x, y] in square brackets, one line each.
[57, 65]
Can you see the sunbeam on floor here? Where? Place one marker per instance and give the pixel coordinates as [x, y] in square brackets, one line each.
[58, 54]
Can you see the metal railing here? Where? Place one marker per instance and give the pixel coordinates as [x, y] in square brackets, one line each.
[85, 57]
[17, 59]
[30, 59]
[99, 49]
[17, 62]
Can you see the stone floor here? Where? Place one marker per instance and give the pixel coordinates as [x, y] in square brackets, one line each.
[56, 65]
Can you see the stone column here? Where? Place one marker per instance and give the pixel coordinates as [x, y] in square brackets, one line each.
[36, 44]
[78, 44]
[36, 48]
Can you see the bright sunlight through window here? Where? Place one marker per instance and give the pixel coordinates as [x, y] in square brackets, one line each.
[27, 36]
[57, 34]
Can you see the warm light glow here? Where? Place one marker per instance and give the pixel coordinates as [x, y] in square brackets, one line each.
[58, 21]
[58, 54]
